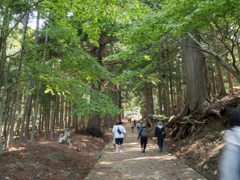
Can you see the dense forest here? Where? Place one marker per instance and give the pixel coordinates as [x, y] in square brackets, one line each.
[85, 63]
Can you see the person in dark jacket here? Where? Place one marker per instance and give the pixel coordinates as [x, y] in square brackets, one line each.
[135, 122]
[143, 134]
[160, 134]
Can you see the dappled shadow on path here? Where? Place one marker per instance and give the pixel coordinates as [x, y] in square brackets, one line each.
[133, 164]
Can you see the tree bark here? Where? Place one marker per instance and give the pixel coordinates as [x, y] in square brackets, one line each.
[51, 119]
[222, 90]
[179, 86]
[57, 111]
[164, 99]
[28, 112]
[171, 90]
[119, 100]
[83, 121]
[37, 101]
[214, 84]
[65, 115]
[94, 123]
[148, 98]
[160, 97]
[167, 96]
[234, 70]
[23, 119]
[4, 72]
[61, 111]
[69, 111]
[197, 89]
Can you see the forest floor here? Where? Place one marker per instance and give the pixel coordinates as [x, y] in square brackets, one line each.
[46, 159]
[132, 163]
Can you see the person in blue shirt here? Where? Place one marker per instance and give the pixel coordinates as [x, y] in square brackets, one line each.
[143, 134]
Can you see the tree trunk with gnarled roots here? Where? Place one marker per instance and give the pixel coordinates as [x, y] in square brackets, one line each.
[197, 89]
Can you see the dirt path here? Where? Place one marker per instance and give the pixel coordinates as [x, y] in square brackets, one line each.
[133, 164]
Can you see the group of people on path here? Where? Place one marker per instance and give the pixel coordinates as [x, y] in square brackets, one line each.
[160, 134]
[119, 132]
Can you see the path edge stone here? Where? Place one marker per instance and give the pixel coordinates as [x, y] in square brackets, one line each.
[99, 155]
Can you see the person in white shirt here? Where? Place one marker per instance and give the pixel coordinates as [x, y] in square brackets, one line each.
[114, 143]
[118, 132]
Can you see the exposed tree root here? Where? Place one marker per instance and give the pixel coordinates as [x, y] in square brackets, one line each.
[196, 132]
[215, 112]
[173, 120]
[149, 121]
[181, 132]
[193, 122]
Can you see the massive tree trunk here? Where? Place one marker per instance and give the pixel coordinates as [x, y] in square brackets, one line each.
[197, 95]
[108, 119]
[94, 123]
[197, 89]
[234, 70]
[144, 111]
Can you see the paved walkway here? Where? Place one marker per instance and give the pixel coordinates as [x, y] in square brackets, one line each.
[133, 164]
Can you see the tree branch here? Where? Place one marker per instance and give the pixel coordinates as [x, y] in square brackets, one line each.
[219, 58]
[26, 11]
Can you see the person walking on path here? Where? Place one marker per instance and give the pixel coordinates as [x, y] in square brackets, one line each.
[118, 132]
[230, 162]
[138, 126]
[130, 120]
[114, 143]
[135, 122]
[132, 126]
[143, 134]
[160, 135]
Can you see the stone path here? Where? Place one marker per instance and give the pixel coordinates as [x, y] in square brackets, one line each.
[133, 164]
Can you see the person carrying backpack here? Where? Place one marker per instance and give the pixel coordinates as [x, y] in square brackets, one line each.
[138, 126]
[118, 132]
[229, 164]
[160, 135]
[143, 134]
[132, 126]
